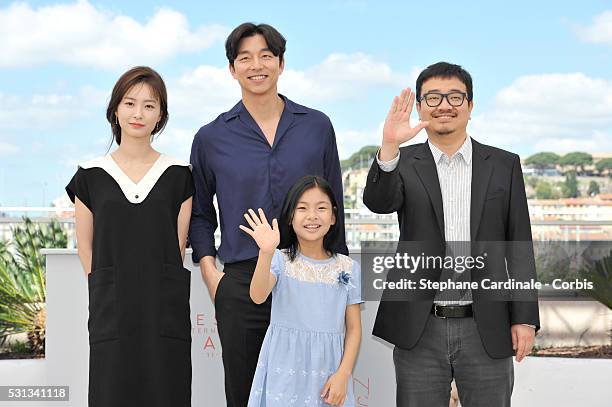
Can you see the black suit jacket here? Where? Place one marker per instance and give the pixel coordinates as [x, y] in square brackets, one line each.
[498, 213]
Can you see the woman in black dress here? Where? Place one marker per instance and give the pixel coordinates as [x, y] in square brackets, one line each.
[132, 212]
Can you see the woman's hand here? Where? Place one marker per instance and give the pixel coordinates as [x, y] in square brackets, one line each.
[266, 237]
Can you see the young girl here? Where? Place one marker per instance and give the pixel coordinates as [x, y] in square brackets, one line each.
[310, 348]
[132, 210]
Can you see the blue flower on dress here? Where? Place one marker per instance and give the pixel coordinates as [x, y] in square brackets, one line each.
[345, 279]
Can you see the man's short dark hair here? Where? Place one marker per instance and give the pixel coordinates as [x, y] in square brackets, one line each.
[445, 70]
[276, 42]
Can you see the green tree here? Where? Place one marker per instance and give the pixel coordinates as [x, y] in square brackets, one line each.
[545, 190]
[543, 160]
[531, 181]
[570, 186]
[360, 159]
[593, 188]
[577, 159]
[604, 165]
[22, 281]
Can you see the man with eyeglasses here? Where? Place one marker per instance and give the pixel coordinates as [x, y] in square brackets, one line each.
[452, 189]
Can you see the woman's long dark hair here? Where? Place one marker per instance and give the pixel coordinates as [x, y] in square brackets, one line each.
[289, 240]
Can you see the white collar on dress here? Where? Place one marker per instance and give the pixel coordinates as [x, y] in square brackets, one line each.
[134, 192]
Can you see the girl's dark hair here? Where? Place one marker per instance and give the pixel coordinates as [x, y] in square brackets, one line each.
[289, 240]
[275, 41]
[135, 76]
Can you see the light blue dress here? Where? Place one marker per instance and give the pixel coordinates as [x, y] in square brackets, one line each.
[304, 344]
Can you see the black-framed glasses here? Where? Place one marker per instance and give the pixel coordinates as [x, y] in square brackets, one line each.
[434, 99]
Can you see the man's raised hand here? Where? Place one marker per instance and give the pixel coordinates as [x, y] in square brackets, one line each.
[397, 129]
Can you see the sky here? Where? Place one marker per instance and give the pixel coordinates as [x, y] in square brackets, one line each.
[542, 72]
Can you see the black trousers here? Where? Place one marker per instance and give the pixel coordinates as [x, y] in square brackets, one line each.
[242, 326]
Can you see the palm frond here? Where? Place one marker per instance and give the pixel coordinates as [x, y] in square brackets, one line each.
[22, 280]
[600, 274]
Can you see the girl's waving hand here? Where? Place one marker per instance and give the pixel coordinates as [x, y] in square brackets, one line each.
[267, 237]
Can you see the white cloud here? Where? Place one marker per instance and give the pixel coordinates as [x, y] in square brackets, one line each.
[202, 94]
[82, 34]
[176, 142]
[50, 110]
[8, 149]
[206, 91]
[599, 141]
[600, 31]
[552, 112]
[342, 76]
[350, 141]
[173, 141]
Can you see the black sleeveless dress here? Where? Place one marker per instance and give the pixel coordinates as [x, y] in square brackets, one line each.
[139, 317]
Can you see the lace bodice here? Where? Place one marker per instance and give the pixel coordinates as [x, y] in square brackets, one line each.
[325, 272]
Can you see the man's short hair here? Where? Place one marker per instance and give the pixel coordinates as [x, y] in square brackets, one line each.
[445, 70]
[275, 41]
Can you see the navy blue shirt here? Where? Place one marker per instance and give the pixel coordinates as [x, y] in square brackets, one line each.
[233, 160]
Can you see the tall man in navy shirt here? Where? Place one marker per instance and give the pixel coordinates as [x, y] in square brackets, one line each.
[249, 157]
